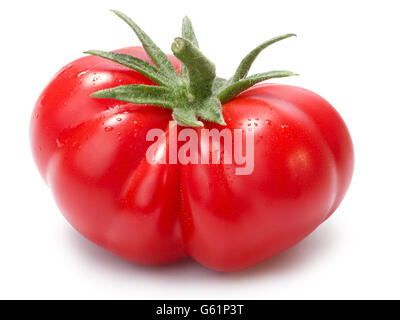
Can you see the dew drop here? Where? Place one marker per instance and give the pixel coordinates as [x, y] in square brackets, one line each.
[108, 129]
[82, 73]
[76, 145]
[119, 119]
[59, 143]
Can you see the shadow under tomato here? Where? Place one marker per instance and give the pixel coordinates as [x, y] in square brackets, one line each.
[302, 254]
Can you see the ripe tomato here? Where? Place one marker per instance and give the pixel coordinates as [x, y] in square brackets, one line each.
[303, 165]
[92, 154]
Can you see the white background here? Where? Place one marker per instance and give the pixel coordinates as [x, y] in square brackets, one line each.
[347, 51]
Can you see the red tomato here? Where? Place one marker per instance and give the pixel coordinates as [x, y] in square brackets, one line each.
[91, 152]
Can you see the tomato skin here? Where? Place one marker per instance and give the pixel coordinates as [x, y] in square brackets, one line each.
[91, 152]
[303, 167]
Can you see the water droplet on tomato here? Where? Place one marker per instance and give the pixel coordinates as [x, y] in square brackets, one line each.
[82, 73]
[59, 143]
[108, 129]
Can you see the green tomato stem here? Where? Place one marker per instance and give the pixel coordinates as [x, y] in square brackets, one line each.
[197, 93]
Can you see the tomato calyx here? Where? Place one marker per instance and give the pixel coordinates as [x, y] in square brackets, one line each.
[196, 93]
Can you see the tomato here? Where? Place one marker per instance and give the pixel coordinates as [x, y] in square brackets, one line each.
[92, 154]
[303, 167]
